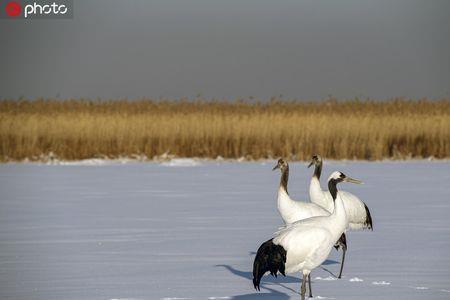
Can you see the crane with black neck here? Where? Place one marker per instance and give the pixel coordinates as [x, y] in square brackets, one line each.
[303, 245]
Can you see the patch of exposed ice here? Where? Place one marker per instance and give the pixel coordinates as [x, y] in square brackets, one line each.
[381, 283]
[355, 279]
[218, 298]
[181, 162]
[421, 288]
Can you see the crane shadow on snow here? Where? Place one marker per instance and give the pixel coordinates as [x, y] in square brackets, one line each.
[248, 275]
[269, 280]
[273, 294]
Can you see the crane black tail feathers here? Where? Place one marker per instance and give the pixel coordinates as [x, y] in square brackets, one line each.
[270, 257]
[368, 222]
[341, 243]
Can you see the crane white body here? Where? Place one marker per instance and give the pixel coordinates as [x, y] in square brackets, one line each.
[309, 242]
[354, 207]
[292, 210]
[303, 245]
[357, 212]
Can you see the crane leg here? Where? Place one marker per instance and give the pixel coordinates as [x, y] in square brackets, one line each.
[344, 249]
[303, 288]
[342, 243]
[309, 284]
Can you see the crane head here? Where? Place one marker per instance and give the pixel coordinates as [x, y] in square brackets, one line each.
[281, 164]
[340, 177]
[315, 160]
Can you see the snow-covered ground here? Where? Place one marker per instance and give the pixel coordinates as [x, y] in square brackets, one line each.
[189, 231]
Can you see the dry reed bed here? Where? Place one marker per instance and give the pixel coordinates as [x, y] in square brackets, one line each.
[78, 129]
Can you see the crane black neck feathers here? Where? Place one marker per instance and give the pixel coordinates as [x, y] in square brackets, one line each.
[318, 169]
[284, 177]
[332, 187]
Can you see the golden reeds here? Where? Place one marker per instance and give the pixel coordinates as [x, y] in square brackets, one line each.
[78, 129]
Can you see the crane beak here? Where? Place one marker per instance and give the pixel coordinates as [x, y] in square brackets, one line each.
[310, 164]
[352, 180]
[276, 167]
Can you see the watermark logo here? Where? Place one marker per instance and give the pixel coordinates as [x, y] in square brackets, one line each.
[37, 9]
[13, 9]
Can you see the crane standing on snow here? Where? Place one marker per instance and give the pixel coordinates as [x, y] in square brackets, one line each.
[292, 211]
[303, 245]
[358, 213]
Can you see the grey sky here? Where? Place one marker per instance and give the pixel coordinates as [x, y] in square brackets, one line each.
[231, 48]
